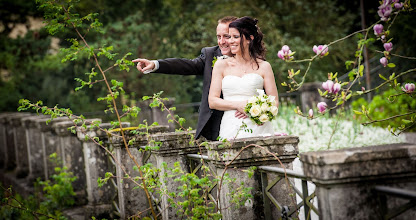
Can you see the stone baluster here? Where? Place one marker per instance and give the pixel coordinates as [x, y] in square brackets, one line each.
[285, 148]
[3, 139]
[50, 143]
[345, 179]
[34, 147]
[14, 138]
[132, 198]
[72, 156]
[96, 165]
[175, 146]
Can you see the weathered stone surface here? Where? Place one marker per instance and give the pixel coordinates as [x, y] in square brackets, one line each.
[345, 179]
[97, 163]
[174, 143]
[35, 147]
[257, 151]
[72, 157]
[14, 138]
[358, 164]
[285, 147]
[50, 143]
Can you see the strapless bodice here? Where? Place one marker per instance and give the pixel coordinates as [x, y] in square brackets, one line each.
[235, 88]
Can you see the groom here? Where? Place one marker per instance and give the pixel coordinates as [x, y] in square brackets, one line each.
[209, 119]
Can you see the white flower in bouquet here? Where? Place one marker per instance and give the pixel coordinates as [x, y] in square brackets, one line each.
[274, 110]
[252, 99]
[264, 118]
[261, 108]
[265, 107]
[255, 110]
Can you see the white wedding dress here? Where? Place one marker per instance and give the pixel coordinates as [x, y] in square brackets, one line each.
[235, 88]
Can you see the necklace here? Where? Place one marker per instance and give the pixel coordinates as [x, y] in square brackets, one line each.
[243, 67]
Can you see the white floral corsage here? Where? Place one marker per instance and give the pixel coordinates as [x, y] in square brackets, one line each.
[219, 58]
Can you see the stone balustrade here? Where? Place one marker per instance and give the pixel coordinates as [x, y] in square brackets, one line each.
[345, 179]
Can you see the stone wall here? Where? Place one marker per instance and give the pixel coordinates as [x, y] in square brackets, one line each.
[345, 179]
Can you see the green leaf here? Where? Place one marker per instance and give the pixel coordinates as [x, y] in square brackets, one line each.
[381, 76]
[357, 112]
[391, 65]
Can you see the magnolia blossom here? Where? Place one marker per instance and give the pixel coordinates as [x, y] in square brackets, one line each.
[263, 118]
[285, 53]
[383, 38]
[384, 10]
[331, 87]
[384, 61]
[388, 46]
[409, 87]
[274, 110]
[255, 110]
[321, 50]
[310, 113]
[322, 107]
[398, 5]
[378, 29]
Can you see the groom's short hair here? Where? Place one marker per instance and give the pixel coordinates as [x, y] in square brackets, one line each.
[227, 19]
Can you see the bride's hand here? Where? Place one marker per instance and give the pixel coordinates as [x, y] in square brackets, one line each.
[240, 109]
[240, 115]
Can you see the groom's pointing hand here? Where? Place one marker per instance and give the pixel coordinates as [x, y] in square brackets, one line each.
[144, 64]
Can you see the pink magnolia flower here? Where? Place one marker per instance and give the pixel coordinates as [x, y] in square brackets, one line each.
[384, 11]
[409, 87]
[336, 88]
[398, 5]
[384, 61]
[331, 87]
[310, 113]
[378, 29]
[388, 46]
[328, 85]
[285, 53]
[280, 134]
[383, 38]
[322, 107]
[321, 50]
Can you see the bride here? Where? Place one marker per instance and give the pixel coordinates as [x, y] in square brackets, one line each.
[239, 77]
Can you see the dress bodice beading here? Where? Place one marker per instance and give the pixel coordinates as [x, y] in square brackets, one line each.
[235, 88]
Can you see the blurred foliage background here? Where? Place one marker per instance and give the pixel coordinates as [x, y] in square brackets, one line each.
[31, 66]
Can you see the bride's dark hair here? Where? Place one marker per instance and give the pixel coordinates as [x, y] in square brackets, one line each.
[248, 26]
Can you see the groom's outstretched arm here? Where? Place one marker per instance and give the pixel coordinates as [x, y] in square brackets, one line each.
[177, 66]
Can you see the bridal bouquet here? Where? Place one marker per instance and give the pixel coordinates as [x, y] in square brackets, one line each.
[261, 108]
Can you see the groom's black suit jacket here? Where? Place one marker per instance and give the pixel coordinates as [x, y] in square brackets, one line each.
[209, 119]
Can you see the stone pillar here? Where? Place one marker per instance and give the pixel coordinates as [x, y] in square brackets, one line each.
[3, 139]
[72, 157]
[15, 138]
[21, 146]
[131, 198]
[345, 179]
[34, 147]
[174, 148]
[285, 147]
[50, 143]
[96, 165]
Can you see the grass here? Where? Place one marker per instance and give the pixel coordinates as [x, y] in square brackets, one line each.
[315, 135]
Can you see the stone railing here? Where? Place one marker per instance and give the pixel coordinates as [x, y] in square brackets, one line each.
[341, 176]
